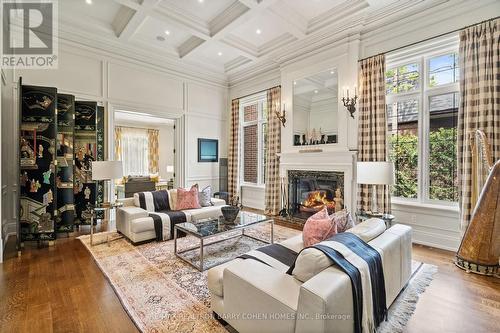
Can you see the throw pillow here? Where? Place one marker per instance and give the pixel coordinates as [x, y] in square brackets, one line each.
[205, 197]
[187, 199]
[318, 228]
[343, 220]
[172, 198]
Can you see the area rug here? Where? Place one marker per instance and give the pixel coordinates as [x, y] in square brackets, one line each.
[161, 293]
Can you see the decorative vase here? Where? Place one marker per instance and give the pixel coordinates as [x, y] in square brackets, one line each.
[230, 213]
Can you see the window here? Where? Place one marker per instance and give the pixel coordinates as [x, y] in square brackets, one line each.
[253, 113]
[422, 110]
[134, 151]
[403, 79]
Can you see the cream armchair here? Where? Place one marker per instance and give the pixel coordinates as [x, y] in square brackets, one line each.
[253, 297]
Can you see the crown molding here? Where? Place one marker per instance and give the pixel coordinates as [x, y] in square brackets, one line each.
[236, 63]
[167, 62]
[341, 12]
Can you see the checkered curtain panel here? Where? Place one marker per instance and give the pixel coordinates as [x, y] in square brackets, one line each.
[480, 102]
[232, 173]
[153, 150]
[118, 143]
[273, 147]
[372, 127]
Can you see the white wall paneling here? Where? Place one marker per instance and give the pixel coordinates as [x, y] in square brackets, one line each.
[8, 133]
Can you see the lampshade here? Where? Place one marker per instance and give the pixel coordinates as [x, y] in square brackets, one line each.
[170, 168]
[375, 173]
[107, 170]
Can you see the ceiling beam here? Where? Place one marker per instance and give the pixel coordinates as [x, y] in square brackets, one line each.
[128, 3]
[137, 19]
[294, 23]
[232, 17]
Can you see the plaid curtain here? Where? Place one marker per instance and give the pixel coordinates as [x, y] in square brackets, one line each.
[480, 102]
[118, 143]
[273, 147]
[233, 150]
[153, 150]
[372, 127]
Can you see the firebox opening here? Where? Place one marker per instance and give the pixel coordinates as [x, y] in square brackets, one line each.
[310, 191]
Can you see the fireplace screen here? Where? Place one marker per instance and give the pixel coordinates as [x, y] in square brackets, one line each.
[310, 191]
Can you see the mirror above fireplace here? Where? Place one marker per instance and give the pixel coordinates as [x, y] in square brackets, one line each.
[315, 109]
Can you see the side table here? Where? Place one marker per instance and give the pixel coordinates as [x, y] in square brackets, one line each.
[387, 218]
[106, 208]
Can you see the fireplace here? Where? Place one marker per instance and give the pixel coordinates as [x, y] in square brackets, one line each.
[311, 191]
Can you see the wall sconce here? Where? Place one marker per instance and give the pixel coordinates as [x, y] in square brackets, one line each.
[281, 116]
[349, 102]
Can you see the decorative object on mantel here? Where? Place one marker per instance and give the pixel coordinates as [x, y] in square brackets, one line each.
[375, 173]
[349, 102]
[314, 150]
[281, 115]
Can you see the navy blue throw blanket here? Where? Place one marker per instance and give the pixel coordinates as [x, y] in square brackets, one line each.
[374, 261]
[159, 202]
[275, 251]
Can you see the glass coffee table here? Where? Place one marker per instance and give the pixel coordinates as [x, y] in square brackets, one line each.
[208, 228]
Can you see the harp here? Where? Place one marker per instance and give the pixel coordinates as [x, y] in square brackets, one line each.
[479, 251]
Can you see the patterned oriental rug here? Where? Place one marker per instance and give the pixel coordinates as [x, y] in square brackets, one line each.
[162, 293]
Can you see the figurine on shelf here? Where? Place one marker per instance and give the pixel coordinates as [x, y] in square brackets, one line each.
[24, 179]
[46, 176]
[314, 136]
[48, 197]
[26, 151]
[87, 193]
[34, 186]
[304, 139]
[40, 151]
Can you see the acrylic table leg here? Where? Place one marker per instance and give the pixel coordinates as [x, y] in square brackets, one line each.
[175, 240]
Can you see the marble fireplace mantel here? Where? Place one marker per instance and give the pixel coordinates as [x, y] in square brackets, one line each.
[340, 161]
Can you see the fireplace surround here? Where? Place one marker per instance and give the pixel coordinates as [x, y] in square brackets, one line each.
[310, 191]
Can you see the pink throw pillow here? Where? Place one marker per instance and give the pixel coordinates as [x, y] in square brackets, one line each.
[187, 199]
[343, 220]
[318, 228]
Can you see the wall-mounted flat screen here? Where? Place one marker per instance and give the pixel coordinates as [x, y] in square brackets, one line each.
[208, 150]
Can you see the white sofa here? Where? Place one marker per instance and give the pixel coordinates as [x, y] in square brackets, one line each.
[254, 297]
[135, 223]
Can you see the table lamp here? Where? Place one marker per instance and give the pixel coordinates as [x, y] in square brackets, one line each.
[375, 173]
[107, 170]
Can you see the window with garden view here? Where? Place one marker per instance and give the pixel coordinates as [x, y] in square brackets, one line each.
[253, 119]
[422, 109]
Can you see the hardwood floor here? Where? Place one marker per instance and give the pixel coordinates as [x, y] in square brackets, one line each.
[58, 289]
[61, 289]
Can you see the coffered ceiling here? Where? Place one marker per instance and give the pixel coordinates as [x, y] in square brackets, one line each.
[220, 36]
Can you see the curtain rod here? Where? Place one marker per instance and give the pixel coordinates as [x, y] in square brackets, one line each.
[430, 38]
[255, 93]
[141, 128]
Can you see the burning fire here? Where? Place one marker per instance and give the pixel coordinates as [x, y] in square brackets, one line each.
[316, 201]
